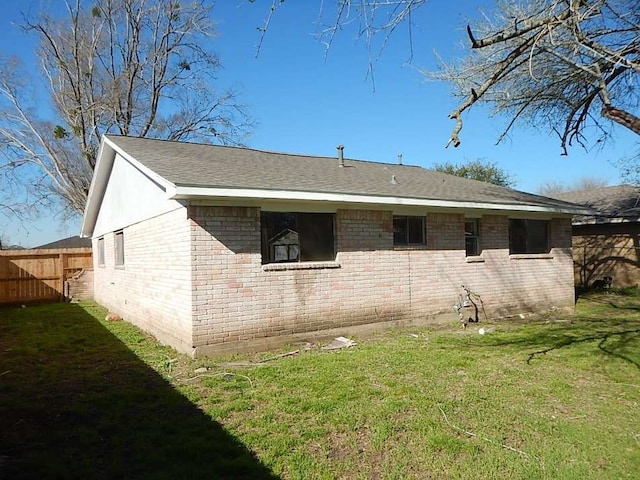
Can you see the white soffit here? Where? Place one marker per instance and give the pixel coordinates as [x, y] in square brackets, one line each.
[196, 193]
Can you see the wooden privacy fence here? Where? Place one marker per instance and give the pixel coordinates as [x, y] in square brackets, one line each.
[39, 275]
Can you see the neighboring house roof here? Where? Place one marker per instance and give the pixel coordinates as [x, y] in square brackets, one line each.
[620, 203]
[69, 242]
[192, 171]
[11, 247]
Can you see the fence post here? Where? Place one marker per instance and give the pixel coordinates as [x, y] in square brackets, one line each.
[63, 266]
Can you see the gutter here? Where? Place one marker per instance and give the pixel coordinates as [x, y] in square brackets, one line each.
[106, 157]
[200, 193]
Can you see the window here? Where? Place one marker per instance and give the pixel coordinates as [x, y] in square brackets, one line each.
[408, 230]
[297, 237]
[101, 251]
[471, 237]
[119, 248]
[528, 236]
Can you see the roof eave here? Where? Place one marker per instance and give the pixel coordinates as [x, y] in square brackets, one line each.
[604, 220]
[102, 170]
[199, 193]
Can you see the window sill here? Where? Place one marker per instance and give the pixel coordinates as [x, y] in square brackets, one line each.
[475, 259]
[409, 247]
[530, 256]
[278, 267]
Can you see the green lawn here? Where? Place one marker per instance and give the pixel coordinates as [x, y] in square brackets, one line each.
[557, 397]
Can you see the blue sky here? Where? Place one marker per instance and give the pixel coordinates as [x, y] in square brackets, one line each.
[307, 102]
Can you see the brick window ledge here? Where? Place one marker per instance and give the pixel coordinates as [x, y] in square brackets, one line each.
[278, 267]
[530, 256]
[475, 259]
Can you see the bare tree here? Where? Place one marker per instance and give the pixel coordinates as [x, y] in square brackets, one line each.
[629, 167]
[130, 67]
[567, 64]
[555, 187]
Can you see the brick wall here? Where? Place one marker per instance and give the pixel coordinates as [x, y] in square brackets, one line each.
[153, 288]
[238, 302]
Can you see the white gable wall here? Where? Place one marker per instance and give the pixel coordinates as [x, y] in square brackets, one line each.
[130, 197]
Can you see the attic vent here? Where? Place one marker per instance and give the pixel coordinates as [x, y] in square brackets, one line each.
[393, 180]
[340, 155]
[399, 159]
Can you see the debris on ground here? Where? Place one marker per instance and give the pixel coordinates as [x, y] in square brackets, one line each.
[483, 330]
[201, 370]
[281, 355]
[240, 364]
[258, 363]
[112, 317]
[340, 343]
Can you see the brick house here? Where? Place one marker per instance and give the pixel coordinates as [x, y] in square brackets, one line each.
[215, 248]
[607, 242]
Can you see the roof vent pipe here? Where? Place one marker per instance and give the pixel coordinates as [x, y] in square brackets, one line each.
[340, 155]
[399, 159]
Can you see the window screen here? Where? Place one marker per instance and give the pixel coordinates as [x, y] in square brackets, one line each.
[408, 230]
[101, 251]
[471, 237]
[119, 248]
[297, 237]
[528, 236]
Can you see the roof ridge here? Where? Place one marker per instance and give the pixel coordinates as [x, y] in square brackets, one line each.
[262, 150]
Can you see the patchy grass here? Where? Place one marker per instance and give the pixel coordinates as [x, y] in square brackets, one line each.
[557, 397]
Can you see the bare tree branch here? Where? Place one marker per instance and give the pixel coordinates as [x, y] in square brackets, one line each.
[582, 61]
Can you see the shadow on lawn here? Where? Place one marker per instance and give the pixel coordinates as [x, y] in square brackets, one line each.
[77, 403]
[614, 343]
[613, 336]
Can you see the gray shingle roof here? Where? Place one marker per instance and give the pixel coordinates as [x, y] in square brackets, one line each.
[620, 202]
[69, 242]
[199, 165]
